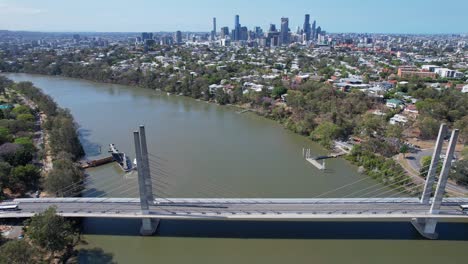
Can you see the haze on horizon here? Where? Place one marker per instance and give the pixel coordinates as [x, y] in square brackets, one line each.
[366, 16]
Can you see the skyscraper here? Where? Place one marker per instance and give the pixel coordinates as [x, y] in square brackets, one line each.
[179, 37]
[319, 31]
[314, 30]
[213, 33]
[284, 36]
[237, 29]
[224, 32]
[307, 28]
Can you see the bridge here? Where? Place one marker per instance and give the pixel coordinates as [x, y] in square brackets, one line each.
[423, 212]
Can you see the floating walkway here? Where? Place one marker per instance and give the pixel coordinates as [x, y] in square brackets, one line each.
[121, 158]
[244, 111]
[314, 161]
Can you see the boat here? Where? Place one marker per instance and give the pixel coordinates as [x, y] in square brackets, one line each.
[122, 159]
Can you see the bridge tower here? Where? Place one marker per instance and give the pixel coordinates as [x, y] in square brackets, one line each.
[148, 226]
[427, 226]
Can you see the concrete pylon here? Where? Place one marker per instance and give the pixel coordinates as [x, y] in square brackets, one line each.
[146, 166]
[427, 227]
[148, 226]
[430, 178]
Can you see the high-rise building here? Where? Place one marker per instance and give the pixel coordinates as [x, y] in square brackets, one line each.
[272, 28]
[237, 29]
[258, 32]
[319, 32]
[314, 30]
[284, 35]
[179, 37]
[145, 36]
[213, 33]
[307, 27]
[224, 32]
[244, 33]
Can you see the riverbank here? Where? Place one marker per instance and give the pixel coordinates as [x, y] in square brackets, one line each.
[262, 113]
[61, 146]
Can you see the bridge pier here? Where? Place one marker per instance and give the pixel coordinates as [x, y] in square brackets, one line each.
[148, 226]
[427, 226]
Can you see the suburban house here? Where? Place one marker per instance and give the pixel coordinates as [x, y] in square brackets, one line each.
[394, 103]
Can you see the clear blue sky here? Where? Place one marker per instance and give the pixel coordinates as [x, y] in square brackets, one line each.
[388, 16]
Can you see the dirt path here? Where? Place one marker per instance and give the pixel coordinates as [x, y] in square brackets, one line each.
[43, 140]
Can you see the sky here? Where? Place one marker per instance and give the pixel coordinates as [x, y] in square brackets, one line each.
[365, 16]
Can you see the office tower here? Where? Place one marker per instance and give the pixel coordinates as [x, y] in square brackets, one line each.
[145, 36]
[258, 32]
[213, 33]
[214, 24]
[237, 29]
[224, 32]
[284, 35]
[314, 30]
[319, 31]
[179, 37]
[244, 33]
[272, 28]
[307, 26]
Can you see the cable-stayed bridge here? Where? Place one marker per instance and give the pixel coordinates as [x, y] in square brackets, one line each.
[154, 204]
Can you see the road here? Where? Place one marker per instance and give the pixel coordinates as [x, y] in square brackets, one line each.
[243, 209]
[414, 162]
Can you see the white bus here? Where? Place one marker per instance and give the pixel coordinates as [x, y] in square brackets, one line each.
[464, 207]
[9, 207]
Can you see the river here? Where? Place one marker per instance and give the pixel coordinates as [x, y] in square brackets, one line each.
[203, 150]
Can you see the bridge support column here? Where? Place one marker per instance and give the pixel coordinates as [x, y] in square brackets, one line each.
[427, 227]
[430, 178]
[146, 166]
[148, 226]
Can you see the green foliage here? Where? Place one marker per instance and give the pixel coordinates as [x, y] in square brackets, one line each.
[221, 97]
[26, 142]
[18, 252]
[384, 170]
[44, 102]
[22, 109]
[5, 135]
[24, 178]
[63, 135]
[325, 133]
[65, 173]
[465, 153]
[25, 117]
[51, 232]
[278, 91]
[462, 124]
[429, 128]
[460, 172]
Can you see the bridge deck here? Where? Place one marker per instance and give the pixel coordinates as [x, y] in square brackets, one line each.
[243, 209]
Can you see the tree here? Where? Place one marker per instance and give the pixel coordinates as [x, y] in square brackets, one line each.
[404, 149]
[278, 91]
[25, 117]
[15, 154]
[429, 128]
[221, 97]
[462, 124]
[325, 133]
[24, 178]
[64, 173]
[22, 109]
[460, 172]
[51, 232]
[18, 252]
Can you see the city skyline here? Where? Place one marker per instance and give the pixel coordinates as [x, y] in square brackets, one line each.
[142, 15]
